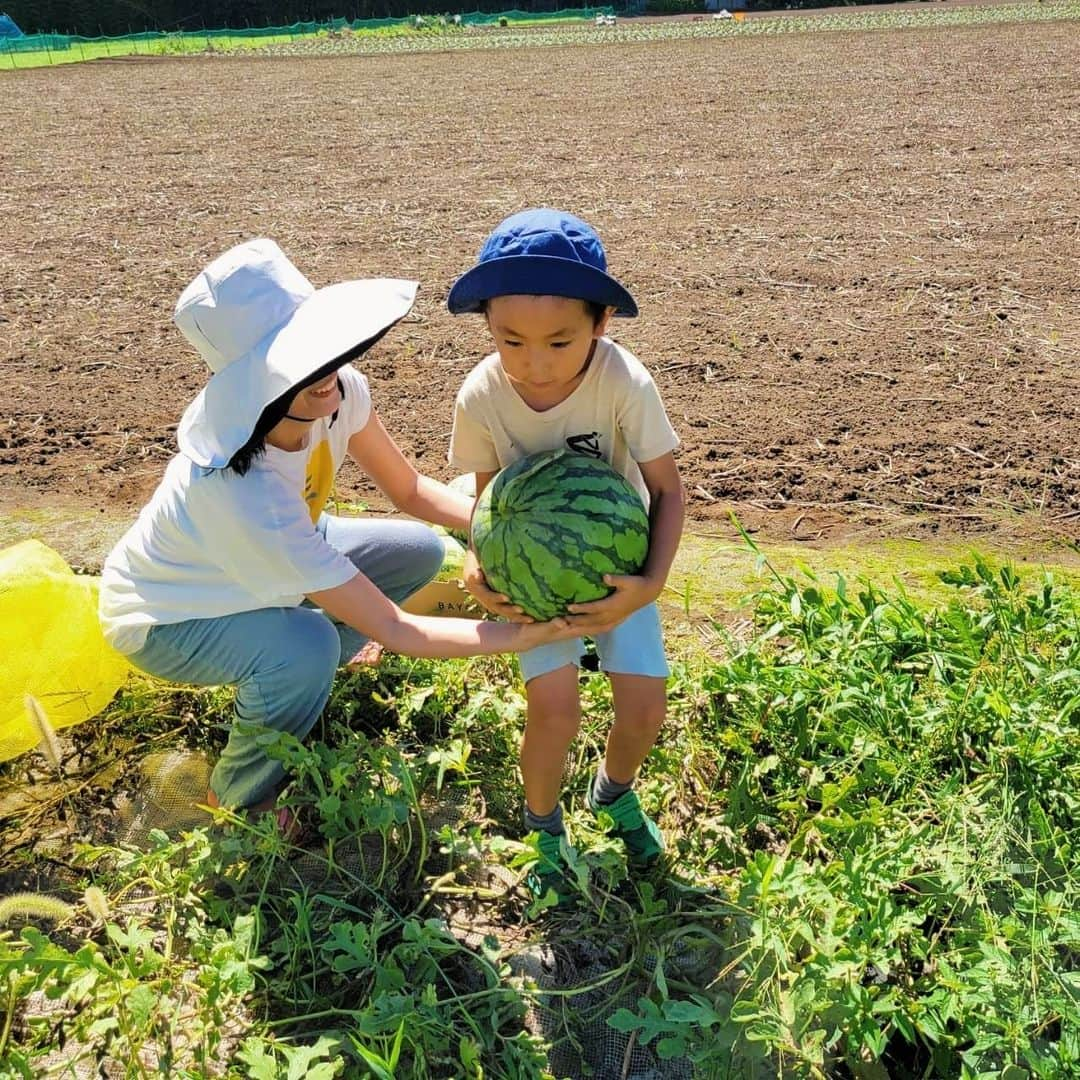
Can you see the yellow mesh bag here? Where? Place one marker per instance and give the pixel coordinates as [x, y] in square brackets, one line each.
[51, 646]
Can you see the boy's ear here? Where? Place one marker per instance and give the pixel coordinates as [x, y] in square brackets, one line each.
[600, 328]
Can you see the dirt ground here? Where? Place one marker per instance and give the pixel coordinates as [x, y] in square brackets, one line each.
[857, 256]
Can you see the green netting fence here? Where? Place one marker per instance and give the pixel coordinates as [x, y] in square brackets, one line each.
[157, 41]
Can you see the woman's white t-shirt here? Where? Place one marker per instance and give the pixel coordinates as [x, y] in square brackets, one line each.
[211, 543]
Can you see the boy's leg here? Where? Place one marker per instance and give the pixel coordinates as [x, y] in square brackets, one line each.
[398, 556]
[282, 662]
[552, 723]
[640, 704]
[633, 656]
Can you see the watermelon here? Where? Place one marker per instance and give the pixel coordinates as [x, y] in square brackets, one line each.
[549, 527]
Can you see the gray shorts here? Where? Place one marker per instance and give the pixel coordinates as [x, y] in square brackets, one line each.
[634, 647]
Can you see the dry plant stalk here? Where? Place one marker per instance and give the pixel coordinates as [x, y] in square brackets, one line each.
[96, 903]
[50, 745]
[33, 906]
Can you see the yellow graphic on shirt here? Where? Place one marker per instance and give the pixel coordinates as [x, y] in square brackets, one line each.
[319, 479]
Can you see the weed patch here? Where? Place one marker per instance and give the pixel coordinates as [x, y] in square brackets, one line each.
[871, 803]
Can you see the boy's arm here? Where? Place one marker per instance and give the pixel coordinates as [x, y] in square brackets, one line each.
[413, 493]
[667, 511]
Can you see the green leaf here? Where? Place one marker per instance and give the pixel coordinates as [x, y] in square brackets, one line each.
[661, 981]
[624, 1020]
[671, 1046]
[395, 1050]
[102, 1027]
[261, 1063]
[469, 1056]
[697, 1013]
[141, 1002]
[302, 1058]
[377, 1064]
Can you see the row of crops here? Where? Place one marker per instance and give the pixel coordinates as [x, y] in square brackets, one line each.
[632, 31]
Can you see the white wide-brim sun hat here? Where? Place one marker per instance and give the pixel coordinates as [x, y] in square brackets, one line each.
[264, 329]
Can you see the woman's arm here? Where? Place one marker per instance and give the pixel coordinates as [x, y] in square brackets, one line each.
[410, 491]
[363, 607]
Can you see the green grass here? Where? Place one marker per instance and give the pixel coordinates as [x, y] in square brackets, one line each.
[167, 45]
[712, 575]
[872, 805]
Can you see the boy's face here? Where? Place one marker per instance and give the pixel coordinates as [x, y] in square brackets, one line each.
[543, 341]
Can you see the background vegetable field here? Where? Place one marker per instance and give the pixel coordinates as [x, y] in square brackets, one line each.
[854, 253]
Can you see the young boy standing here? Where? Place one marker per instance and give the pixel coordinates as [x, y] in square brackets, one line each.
[556, 381]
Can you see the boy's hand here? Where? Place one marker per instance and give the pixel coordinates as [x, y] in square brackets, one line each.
[631, 592]
[491, 601]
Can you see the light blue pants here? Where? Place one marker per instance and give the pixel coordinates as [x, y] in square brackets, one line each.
[282, 660]
[634, 647]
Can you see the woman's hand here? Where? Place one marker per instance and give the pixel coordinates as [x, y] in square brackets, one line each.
[489, 600]
[530, 635]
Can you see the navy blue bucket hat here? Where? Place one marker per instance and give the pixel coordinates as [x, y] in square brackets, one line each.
[540, 253]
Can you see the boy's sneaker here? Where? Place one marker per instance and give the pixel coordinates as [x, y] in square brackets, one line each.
[638, 831]
[550, 871]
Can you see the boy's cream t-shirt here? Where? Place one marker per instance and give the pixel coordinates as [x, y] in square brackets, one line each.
[615, 413]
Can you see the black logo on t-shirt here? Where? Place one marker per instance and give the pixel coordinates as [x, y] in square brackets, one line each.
[588, 445]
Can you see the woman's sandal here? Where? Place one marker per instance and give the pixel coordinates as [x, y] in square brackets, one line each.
[286, 818]
[290, 826]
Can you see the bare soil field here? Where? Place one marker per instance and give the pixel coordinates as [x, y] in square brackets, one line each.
[857, 256]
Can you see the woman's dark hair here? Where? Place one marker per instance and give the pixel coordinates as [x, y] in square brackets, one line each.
[272, 415]
[276, 411]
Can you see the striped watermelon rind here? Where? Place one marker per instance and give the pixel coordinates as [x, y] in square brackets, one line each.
[549, 527]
